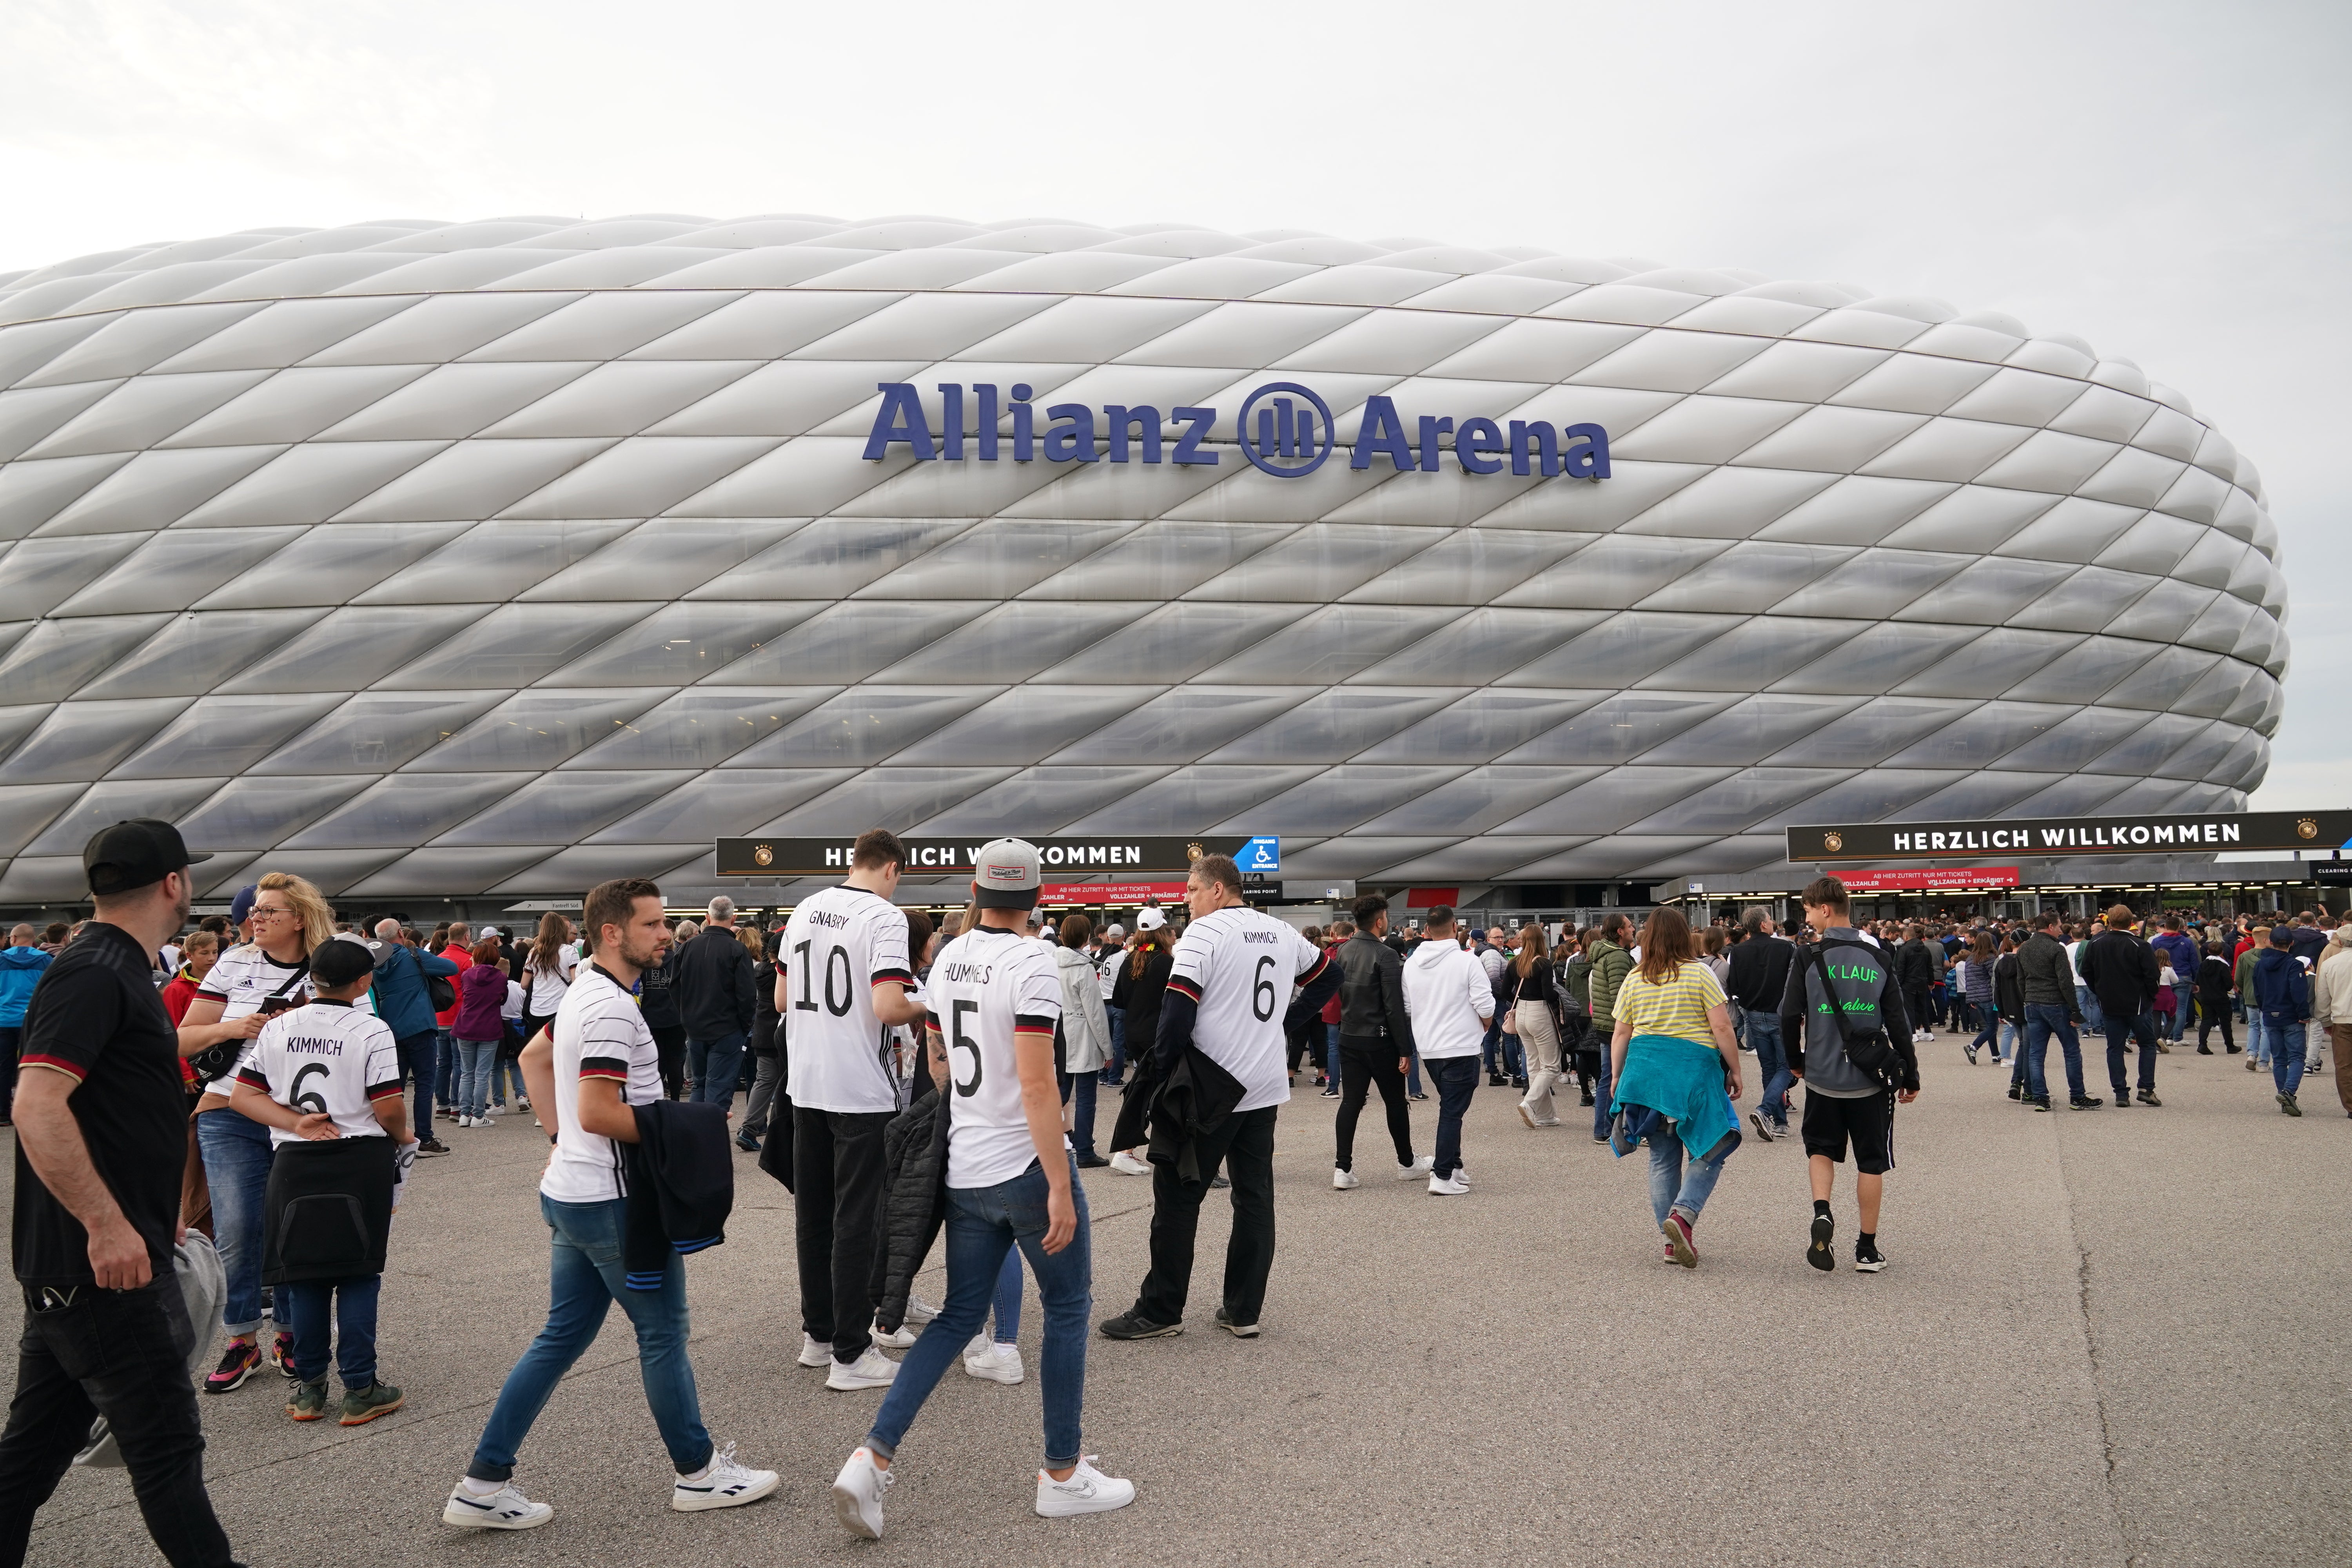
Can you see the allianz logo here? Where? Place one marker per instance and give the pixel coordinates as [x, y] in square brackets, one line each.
[1284, 429]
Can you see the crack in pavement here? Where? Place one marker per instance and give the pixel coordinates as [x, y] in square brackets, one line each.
[2133, 1557]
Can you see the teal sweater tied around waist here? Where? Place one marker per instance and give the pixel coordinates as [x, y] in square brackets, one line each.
[1682, 1080]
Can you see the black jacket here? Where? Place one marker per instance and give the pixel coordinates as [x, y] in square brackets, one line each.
[712, 984]
[914, 1197]
[1759, 976]
[659, 997]
[1194, 1097]
[2009, 988]
[1372, 992]
[1914, 965]
[2046, 976]
[681, 1177]
[1139, 997]
[327, 1210]
[2120, 968]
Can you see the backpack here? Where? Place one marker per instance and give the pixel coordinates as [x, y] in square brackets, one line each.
[1870, 1049]
[438, 989]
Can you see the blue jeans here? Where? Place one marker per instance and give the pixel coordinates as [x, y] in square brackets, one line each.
[2088, 1005]
[1006, 1309]
[1412, 1075]
[1771, 1062]
[712, 1067]
[585, 1276]
[2120, 1032]
[983, 1224]
[503, 1071]
[2286, 1054]
[2043, 1019]
[2258, 1039]
[444, 1067]
[1457, 1079]
[1082, 1112]
[1115, 1070]
[1673, 1187]
[1605, 1110]
[474, 1060]
[236, 1156]
[351, 1304]
[1331, 1055]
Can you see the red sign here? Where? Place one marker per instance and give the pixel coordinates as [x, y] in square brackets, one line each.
[1115, 894]
[1430, 898]
[1908, 879]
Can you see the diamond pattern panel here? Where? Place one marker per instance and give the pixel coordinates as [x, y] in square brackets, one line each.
[512, 555]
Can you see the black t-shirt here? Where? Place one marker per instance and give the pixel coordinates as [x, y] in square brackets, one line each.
[96, 1015]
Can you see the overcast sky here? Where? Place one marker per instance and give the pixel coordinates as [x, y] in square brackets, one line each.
[2168, 181]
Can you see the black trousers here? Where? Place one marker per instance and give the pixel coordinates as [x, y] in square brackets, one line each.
[122, 1354]
[1921, 1001]
[1244, 1143]
[1364, 1062]
[670, 1049]
[2209, 1013]
[837, 1172]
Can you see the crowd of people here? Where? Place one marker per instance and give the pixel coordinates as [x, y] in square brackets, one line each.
[257, 1088]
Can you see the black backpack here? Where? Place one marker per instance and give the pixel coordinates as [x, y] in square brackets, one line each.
[1868, 1049]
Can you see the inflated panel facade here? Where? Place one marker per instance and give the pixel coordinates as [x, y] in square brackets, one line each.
[502, 557]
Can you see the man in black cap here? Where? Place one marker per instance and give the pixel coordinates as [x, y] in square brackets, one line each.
[101, 1134]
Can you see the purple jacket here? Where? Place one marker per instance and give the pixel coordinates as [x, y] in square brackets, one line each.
[482, 992]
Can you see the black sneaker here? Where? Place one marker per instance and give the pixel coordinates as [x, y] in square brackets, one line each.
[2085, 1102]
[2039, 1101]
[431, 1146]
[2203, 1049]
[1497, 1081]
[2147, 1097]
[2287, 1104]
[1239, 1331]
[1584, 1098]
[1133, 1325]
[749, 1145]
[1091, 1161]
[2017, 1091]
[1867, 1258]
[1819, 1254]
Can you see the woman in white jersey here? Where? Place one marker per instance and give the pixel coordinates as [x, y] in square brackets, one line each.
[993, 997]
[251, 983]
[547, 972]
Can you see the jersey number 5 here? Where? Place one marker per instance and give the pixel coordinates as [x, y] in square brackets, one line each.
[959, 1041]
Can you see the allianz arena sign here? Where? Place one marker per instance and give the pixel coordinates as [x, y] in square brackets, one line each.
[1283, 429]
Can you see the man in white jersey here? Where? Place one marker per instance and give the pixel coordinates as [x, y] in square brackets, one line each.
[1233, 971]
[325, 1080]
[600, 1062]
[844, 981]
[995, 995]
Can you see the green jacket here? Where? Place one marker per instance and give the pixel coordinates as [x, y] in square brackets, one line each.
[2243, 976]
[1610, 965]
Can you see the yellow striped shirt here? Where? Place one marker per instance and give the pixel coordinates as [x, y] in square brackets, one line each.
[1677, 1008]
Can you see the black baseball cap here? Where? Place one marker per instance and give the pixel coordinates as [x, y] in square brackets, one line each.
[134, 854]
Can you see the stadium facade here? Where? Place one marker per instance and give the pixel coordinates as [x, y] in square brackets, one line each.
[489, 560]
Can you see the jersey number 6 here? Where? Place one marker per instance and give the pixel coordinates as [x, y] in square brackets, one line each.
[1262, 991]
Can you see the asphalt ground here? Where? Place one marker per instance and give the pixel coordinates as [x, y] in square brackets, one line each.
[2104, 1338]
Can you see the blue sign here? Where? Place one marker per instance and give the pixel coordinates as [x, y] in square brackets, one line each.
[1285, 429]
[1260, 854]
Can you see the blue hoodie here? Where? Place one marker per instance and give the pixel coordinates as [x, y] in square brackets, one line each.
[20, 971]
[2281, 989]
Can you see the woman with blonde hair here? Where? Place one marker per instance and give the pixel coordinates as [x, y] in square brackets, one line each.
[1675, 1071]
[1535, 1018]
[246, 986]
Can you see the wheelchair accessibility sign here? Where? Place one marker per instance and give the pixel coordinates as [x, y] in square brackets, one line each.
[1260, 856]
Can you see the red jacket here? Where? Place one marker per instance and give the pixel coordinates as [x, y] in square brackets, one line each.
[464, 959]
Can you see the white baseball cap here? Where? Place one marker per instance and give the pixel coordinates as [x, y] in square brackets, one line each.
[1150, 919]
[1006, 875]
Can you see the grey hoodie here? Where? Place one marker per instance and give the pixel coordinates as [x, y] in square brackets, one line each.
[1864, 985]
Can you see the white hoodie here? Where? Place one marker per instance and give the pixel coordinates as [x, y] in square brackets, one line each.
[1448, 997]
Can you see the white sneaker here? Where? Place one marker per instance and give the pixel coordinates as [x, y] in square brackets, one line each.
[1527, 1114]
[722, 1484]
[1419, 1167]
[920, 1311]
[816, 1352]
[997, 1364]
[872, 1370]
[1128, 1165]
[1462, 1174]
[1088, 1491]
[1343, 1180]
[505, 1508]
[902, 1338]
[1440, 1187]
[857, 1495]
[464, 1121]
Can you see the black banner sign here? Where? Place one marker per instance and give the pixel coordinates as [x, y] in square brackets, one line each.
[2129, 833]
[2332, 873]
[1065, 858]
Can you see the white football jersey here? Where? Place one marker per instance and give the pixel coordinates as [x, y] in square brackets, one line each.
[599, 1031]
[986, 988]
[840, 945]
[325, 1056]
[1238, 965]
[245, 978]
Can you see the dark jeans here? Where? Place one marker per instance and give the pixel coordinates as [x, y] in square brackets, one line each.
[1500, 1052]
[122, 1354]
[1603, 1081]
[838, 1208]
[2120, 1031]
[1921, 1001]
[351, 1304]
[1243, 1144]
[1081, 1100]
[764, 1095]
[1456, 1078]
[669, 1046]
[1116, 1068]
[11, 1041]
[712, 1067]
[2043, 1019]
[445, 1070]
[1364, 1062]
[1771, 1063]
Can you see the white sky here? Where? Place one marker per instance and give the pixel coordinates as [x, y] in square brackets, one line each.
[2170, 181]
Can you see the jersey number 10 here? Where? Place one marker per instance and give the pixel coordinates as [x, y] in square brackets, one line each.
[804, 994]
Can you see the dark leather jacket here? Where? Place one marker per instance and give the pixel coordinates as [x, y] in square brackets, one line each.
[1372, 992]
